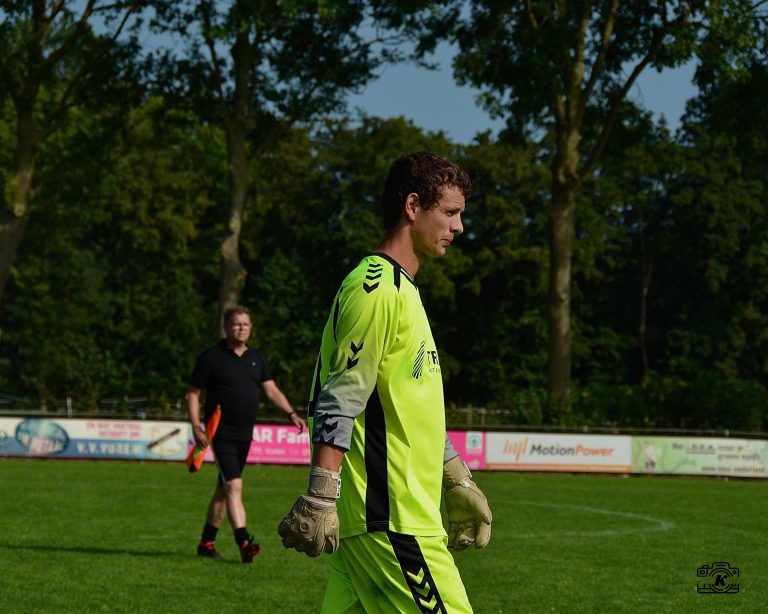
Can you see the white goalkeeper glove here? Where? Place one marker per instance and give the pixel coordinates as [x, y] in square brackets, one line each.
[312, 526]
[469, 517]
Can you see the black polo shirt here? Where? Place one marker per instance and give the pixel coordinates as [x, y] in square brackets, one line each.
[232, 382]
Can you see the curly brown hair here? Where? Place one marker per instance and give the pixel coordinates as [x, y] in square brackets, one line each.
[422, 173]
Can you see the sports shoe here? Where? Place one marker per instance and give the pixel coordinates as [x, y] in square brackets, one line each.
[208, 549]
[249, 549]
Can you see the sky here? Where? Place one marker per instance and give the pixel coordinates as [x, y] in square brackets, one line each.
[433, 101]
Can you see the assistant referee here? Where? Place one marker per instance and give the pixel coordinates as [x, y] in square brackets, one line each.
[232, 374]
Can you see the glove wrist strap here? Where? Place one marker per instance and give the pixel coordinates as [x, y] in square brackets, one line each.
[324, 483]
[455, 473]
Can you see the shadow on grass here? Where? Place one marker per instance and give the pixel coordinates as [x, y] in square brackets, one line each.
[113, 552]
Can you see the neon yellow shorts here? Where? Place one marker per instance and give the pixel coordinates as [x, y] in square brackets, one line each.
[386, 572]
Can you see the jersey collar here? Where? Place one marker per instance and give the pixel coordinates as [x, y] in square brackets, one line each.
[395, 264]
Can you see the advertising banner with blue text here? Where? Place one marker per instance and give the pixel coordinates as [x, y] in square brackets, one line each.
[97, 438]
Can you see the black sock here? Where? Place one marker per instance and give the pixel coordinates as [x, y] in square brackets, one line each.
[209, 533]
[241, 535]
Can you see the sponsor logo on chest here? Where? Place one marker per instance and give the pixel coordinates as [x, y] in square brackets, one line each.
[426, 361]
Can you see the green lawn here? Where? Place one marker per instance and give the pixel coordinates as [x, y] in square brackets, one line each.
[83, 536]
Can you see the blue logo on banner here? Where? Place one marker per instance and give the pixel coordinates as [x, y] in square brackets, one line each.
[42, 437]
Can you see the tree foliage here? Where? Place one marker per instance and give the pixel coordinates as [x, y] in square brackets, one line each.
[116, 286]
[46, 73]
[257, 68]
[563, 69]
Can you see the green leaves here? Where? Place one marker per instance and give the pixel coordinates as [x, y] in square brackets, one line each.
[115, 288]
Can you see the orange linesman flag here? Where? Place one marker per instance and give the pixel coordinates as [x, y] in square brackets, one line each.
[196, 453]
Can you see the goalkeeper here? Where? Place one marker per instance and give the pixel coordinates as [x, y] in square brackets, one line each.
[380, 453]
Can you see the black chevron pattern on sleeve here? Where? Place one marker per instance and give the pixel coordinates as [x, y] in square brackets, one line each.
[328, 430]
[372, 275]
[354, 359]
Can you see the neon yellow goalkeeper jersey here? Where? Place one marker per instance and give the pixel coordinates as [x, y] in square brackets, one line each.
[378, 394]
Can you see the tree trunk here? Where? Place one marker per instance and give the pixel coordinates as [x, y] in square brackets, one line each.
[232, 272]
[642, 329]
[561, 235]
[14, 219]
[11, 233]
[565, 181]
[235, 119]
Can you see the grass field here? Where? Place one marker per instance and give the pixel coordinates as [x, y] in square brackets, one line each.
[82, 536]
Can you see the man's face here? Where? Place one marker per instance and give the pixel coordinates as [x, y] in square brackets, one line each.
[238, 328]
[435, 227]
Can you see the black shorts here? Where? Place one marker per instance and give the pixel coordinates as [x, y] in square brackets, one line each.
[230, 458]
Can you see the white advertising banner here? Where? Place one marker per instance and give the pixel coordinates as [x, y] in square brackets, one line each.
[97, 438]
[558, 452]
[511, 451]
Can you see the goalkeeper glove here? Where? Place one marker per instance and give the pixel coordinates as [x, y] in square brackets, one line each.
[469, 517]
[312, 526]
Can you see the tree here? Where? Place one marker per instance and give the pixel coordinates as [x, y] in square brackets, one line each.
[563, 69]
[111, 294]
[256, 68]
[625, 211]
[495, 330]
[47, 68]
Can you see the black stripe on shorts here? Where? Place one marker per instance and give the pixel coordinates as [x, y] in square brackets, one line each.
[416, 573]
